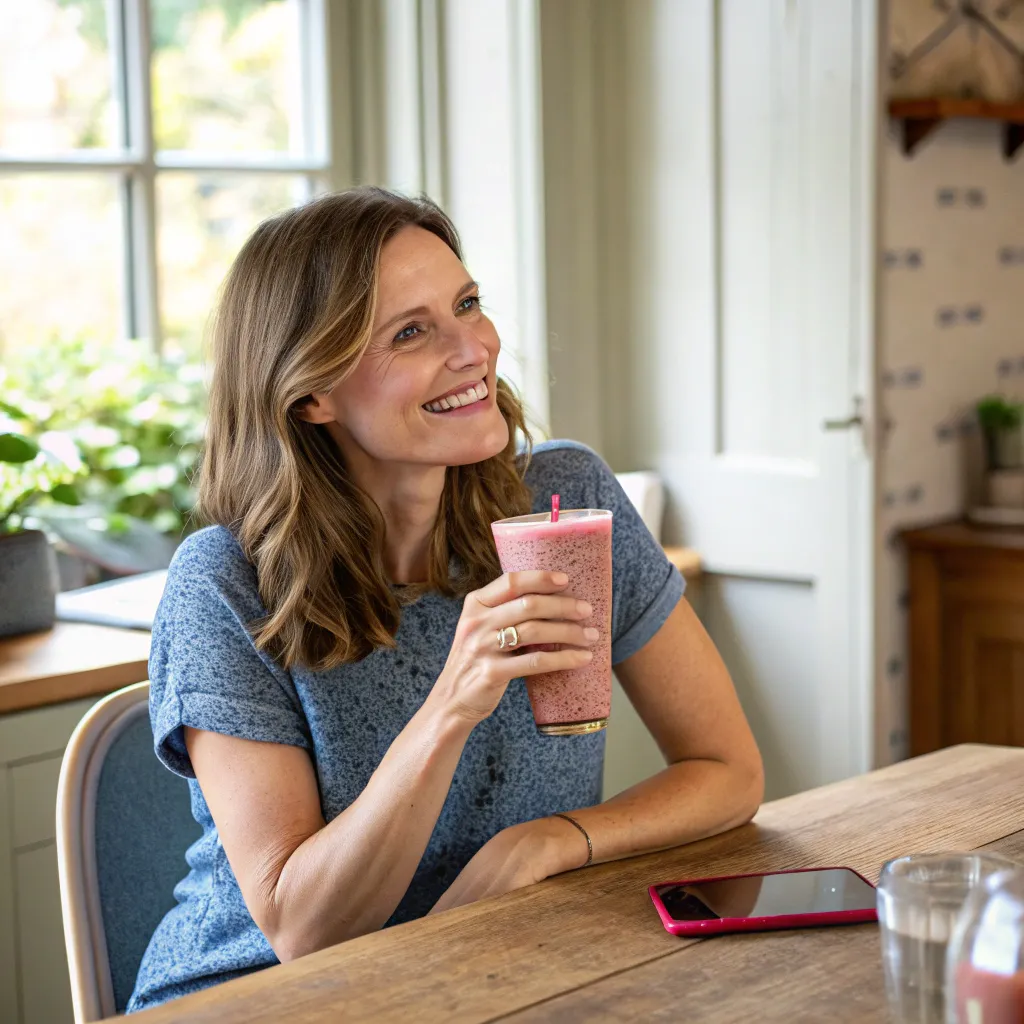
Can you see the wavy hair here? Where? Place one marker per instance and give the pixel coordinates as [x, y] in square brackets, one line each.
[295, 316]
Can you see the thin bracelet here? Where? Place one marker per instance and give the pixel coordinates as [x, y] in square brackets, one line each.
[573, 821]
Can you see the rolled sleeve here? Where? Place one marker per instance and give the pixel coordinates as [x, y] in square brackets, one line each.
[205, 670]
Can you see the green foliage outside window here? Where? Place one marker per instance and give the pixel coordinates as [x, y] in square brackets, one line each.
[110, 419]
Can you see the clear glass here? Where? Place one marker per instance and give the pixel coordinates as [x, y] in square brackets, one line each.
[985, 960]
[227, 76]
[56, 77]
[202, 222]
[61, 257]
[919, 898]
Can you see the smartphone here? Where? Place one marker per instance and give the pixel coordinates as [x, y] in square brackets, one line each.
[801, 898]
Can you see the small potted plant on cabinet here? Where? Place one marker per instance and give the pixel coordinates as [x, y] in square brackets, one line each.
[30, 471]
[1002, 424]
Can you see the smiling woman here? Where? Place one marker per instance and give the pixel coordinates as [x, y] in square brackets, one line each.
[347, 367]
[326, 667]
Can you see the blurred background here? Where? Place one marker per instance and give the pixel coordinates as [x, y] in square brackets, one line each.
[768, 255]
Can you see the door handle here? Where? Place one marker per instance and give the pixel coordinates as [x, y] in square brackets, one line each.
[856, 420]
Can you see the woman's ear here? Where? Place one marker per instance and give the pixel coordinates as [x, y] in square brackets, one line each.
[315, 409]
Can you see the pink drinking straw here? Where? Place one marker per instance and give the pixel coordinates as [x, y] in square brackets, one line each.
[555, 502]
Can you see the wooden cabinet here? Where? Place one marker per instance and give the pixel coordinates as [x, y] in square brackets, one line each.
[966, 636]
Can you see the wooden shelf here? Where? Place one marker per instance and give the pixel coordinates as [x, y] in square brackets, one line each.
[921, 117]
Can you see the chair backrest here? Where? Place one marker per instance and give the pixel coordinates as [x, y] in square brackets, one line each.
[124, 823]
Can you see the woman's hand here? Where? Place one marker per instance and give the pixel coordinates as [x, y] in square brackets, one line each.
[478, 671]
[516, 856]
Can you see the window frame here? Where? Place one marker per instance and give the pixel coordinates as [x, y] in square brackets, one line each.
[138, 163]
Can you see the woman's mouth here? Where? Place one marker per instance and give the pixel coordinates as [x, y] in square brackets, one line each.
[466, 396]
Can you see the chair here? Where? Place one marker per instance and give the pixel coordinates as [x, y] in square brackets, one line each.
[124, 823]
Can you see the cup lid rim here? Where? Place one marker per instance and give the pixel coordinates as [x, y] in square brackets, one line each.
[537, 518]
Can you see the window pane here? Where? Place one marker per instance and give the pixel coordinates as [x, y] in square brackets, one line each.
[203, 219]
[226, 76]
[61, 255]
[56, 77]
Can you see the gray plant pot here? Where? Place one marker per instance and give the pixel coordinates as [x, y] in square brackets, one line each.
[28, 584]
[1006, 449]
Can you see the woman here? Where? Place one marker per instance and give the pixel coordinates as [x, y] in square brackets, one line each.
[325, 667]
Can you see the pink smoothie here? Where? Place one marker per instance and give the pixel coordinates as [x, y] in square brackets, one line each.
[580, 545]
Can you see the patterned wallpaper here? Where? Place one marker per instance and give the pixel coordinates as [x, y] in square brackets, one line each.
[951, 323]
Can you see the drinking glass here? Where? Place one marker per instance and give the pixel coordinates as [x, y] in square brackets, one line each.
[919, 899]
[985, 960]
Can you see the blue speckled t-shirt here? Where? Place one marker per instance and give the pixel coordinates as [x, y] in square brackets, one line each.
[205, 672]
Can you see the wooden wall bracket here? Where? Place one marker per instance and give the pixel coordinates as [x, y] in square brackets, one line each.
[916, 130]
[1013, 138]
[919, 118]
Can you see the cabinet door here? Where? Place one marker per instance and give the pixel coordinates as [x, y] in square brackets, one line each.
[985, 675]
[34, 987]
[42, 960]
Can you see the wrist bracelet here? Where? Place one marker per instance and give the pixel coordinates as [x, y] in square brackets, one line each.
[573, 821]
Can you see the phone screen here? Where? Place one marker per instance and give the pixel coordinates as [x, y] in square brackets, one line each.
[798, 892]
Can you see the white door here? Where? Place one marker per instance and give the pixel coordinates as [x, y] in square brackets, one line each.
[752, 187]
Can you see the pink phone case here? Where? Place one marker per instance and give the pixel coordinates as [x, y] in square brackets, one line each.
[722, 925]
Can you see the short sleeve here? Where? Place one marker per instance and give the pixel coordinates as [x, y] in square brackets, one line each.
[205, 671]
[645, 584]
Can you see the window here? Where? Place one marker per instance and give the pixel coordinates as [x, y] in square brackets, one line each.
[140, 143]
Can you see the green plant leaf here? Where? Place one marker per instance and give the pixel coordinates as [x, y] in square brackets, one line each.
[16, 448]
[996, 413]
[65, 494]
[13, 411]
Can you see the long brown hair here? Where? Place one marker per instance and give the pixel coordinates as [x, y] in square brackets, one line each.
[295, 317]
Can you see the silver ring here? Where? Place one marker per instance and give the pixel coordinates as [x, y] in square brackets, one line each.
[504, 641]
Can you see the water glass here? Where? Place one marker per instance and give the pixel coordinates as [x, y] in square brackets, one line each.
[919, 900]
[985, 960]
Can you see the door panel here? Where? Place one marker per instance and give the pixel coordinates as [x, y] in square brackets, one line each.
[756, 213]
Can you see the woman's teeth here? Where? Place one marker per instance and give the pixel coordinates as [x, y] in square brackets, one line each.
[463, 398]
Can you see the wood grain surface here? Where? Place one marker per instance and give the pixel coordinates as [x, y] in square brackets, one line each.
[961, 534]
[70, 661]
[591, 938]
[832, 974]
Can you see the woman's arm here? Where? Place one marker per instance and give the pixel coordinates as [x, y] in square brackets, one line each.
[714, 780]
[309, 884]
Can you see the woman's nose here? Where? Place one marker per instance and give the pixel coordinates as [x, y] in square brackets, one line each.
[467, 349]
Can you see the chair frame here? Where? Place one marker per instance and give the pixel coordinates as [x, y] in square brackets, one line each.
[92, 990]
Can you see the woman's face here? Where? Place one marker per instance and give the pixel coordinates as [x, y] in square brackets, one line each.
[423, 392]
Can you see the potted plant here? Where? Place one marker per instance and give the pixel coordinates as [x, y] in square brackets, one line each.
[137, 423]
[1002, 424]
[30, 472]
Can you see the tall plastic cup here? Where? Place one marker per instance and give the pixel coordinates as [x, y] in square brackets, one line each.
[580, 545]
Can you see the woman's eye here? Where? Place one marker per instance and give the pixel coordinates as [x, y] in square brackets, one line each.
[407, 333]
[469, 303]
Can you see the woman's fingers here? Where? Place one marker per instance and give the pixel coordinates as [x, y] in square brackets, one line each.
[544, 632]
[535, 662]
[512, 585]
[538, 606]
[478, 669]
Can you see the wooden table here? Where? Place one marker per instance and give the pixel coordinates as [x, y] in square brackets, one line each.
[70, 661]
[587, 946]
